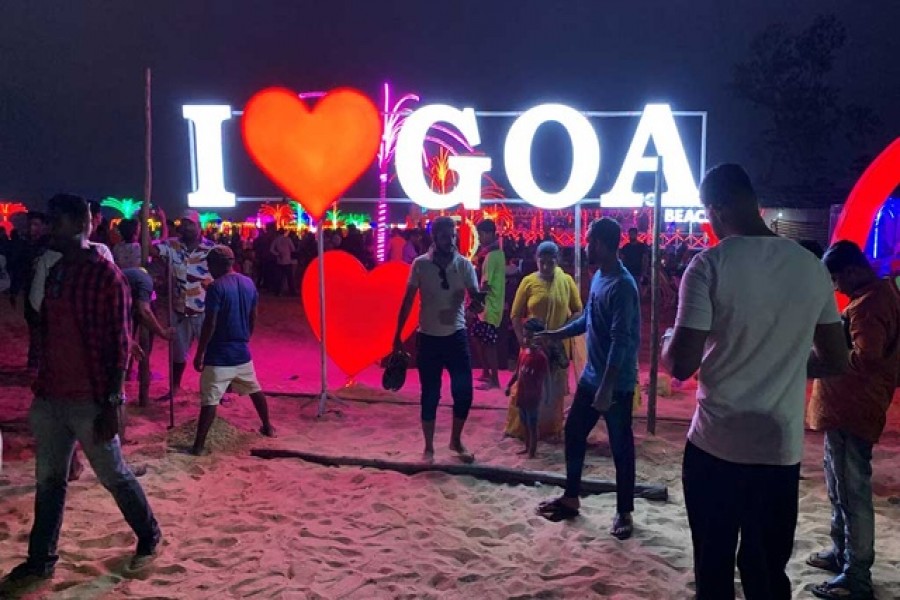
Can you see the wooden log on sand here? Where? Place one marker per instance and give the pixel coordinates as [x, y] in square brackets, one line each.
[495, 474]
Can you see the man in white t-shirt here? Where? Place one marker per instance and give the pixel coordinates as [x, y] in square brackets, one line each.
[442, 277]
[750, 310]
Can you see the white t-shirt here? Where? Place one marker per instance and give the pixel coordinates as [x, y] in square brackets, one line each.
[760, 299]
[443, 311]
[42, 269]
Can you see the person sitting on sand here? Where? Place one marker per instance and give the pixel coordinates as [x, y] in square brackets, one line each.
[612, 321]
[223, 352]
[442, 277]
[531, 375]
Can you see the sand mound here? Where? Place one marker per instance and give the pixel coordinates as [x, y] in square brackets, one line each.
[223, 438]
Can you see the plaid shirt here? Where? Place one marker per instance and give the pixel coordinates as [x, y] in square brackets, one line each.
[100, 300]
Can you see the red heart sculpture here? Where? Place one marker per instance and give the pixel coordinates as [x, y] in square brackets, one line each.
[314, 156]
[361, 308]
[867, 197]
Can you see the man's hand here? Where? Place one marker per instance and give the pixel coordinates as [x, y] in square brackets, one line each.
[137, 353]
[198, 362]
[106, 425]
[602, 399]
[168, 333]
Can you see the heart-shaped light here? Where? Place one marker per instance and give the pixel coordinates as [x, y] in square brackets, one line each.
[362, 309]
[313, 155]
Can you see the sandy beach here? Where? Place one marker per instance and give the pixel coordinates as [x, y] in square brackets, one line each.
[236, 526]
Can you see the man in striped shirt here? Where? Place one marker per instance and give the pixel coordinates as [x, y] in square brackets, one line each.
[86, 316]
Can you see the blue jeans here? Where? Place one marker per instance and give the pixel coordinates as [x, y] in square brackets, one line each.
[56, 424]
[848, 474]
[581, 420]
[433, 355]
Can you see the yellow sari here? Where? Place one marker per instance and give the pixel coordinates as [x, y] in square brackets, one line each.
[554, 303]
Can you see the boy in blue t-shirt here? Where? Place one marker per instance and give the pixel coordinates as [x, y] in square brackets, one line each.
[223, 352]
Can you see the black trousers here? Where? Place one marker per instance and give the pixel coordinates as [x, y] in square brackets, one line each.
[581, 420]
[725, 500]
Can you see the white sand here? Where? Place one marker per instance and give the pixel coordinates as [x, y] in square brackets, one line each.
[237, 526]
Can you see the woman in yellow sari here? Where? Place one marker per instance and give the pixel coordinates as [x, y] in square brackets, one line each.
[551, 296]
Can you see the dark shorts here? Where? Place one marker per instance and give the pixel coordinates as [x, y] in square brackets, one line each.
[485, 332]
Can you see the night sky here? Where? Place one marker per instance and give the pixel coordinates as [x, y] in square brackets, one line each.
[71, 73]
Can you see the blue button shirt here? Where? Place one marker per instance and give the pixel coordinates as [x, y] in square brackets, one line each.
[612, 321]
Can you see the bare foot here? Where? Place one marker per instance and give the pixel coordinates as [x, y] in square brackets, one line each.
[268, 431]
[622, 526]
[532, 454]
[428, 456]
[462, 454]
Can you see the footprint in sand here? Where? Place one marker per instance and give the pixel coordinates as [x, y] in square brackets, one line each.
[478, 532]
[511, 529]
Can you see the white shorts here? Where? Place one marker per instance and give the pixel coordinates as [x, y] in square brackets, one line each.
[215, 380]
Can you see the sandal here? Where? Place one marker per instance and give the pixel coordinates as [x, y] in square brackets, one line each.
[837, 589]
[622, 527]
[556, 511]
[825, 560]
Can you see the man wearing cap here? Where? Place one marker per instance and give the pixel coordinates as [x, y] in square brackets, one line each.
[186, 255]
[223, 352]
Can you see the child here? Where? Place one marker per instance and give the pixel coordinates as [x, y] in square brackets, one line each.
[531, 375]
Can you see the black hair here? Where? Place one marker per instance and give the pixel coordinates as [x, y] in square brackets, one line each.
[844, 254]
[727, 185]
[74, 207]
[632, 230]
[443, 223]
[95, 207]
[606, 231]
[128, 229]
[487, 226]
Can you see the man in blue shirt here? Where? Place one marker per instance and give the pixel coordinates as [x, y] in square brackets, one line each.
[611, 320]
[223, 352]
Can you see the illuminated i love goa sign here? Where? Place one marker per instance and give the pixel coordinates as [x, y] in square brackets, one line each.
[656, 125]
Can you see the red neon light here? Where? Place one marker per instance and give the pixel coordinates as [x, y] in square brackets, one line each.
[362, 308]
[313, 155]
[868, 195]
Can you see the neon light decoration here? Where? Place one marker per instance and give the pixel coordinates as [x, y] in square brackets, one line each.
[346, 281]
[865, 199]
[207, 218]
[206, 155]
[127, 207]
[585, 150]
[280, 214]
[313, 155]
[657, 124]
[7, 210]
[393, 118]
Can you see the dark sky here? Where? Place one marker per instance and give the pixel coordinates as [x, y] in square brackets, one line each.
[71, 73]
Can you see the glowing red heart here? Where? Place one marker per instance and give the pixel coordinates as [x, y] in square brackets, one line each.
[361, 308]
[314, 156]
[867, 197]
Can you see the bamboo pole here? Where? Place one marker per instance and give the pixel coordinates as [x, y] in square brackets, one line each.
[654, 300]
[142, 332]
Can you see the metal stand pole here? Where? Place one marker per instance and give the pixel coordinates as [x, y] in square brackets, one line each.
[654, 300]
[142, 332]
[169, 278]
[323, 356]
[578, 237]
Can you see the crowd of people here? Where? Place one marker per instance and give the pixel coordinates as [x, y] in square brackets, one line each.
[756, 318]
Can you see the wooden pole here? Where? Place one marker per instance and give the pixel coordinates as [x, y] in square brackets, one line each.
[143, 333]
[654, 300]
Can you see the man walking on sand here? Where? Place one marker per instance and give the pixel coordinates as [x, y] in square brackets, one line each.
[223, 352]
[750, 309]
[85, 335]
[442, 277]
[852, 411]
[612, 321]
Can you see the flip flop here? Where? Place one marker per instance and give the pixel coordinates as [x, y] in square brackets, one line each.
[825, 560]
[555, 511]
[837, 590]
[625, 530]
